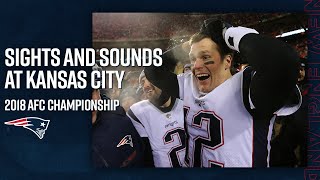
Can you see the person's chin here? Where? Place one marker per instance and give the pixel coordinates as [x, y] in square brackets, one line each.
[149, 95]
[203, 87]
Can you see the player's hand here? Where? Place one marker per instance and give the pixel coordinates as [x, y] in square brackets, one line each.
[216, 28]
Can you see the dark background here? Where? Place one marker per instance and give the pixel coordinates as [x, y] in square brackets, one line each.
[64, 153]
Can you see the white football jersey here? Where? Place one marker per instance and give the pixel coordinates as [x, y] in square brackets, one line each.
[220, 130]
[165, 131]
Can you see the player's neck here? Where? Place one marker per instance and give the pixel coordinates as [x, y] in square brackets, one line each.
[166, 104]
[219, 80]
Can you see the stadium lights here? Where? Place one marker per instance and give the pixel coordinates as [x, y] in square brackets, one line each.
[292, 32]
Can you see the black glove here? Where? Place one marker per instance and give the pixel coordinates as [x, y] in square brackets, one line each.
[215, 29]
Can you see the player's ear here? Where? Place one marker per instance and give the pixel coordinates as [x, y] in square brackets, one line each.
[228, 61]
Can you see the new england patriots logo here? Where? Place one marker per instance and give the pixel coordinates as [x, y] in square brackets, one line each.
[126, 140]
[34, 124]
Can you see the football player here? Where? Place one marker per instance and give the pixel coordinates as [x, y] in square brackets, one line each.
[159, 120]
[229, 119]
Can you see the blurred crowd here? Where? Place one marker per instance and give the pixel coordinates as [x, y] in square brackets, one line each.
[109, 26]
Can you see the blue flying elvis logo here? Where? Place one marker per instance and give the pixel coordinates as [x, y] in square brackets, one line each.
[34, 124]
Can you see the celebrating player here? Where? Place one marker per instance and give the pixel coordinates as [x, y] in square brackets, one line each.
[229, 119]
[160, 120]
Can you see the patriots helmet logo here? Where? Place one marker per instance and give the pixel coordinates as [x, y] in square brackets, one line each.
[34, 124]
[126, 140]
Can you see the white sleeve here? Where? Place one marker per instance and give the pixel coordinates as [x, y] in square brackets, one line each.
[233, 36]
[137, 124]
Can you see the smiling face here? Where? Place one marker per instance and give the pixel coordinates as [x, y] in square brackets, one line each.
[209, 69]
[151, 92]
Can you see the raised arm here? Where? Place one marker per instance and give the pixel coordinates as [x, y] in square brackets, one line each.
[275, 64]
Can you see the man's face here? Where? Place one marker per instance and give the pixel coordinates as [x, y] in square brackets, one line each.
[96, 94]
[208, 68]
[151, 92]
[302, 74]
[186, 69]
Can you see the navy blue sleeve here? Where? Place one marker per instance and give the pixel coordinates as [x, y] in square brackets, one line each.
[115, 142]
[276, 67]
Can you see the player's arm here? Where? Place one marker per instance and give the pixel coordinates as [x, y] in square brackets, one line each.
[275, 64]
[147, 151]
[137, 123]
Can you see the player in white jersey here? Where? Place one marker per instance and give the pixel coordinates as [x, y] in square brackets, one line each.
[160, 119]
[229, 119]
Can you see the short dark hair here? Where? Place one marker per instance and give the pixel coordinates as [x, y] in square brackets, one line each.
[222, 48]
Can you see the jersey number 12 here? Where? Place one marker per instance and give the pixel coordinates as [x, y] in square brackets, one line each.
[212, 141]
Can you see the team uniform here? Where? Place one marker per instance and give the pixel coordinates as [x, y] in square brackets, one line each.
[164, 127]
[115, 141]
[226, 135]
[231, 126]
